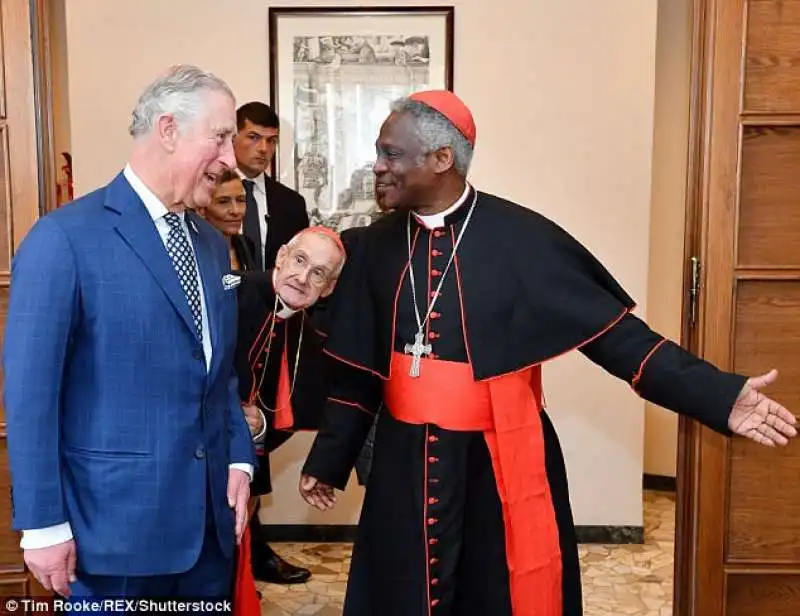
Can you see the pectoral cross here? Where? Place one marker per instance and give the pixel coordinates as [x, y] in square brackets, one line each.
[417, 350]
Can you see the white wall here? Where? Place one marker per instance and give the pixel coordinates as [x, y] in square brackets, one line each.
[670, 150]
[563, 96]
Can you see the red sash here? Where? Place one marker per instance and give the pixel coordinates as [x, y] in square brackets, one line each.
[284, 415]
[506, 409]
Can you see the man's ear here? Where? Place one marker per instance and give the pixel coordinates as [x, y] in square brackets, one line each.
[167, 128]
[329, 288]
[281, 256]
[444, 160]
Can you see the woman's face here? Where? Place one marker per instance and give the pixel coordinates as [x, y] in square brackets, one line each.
[227, 207]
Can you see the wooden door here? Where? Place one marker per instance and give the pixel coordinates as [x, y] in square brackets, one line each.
[738, 519]
[24, 167]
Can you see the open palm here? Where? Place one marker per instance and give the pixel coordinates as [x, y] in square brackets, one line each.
[759, 418]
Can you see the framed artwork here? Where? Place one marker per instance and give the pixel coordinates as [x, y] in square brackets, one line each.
[333, 75]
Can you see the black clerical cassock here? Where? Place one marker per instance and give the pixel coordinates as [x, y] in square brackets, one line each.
[280, 365]
[467, 511]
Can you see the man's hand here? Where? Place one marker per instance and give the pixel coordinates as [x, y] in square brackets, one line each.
[238, 495]
[316, 493]
[54, 566]
[759, 418]
[254, 417]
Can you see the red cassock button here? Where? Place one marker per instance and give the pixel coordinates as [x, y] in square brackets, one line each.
[432, 521]
[434, 602]
[435, 315]
[434, 560]
[435, 272]
[433, 500]
[433, 541]
[433, 439]
[434, 581]
[438, 233]
[433, 459]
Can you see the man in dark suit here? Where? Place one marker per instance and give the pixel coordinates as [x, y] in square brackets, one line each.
[275, 214]
[122, 350]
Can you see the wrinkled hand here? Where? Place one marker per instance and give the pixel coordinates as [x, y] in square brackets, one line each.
[758, 418]
[54, 566]
[316, 493]
[255, 420]
[238, 495]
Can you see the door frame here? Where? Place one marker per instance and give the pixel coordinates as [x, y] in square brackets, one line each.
[712, 180]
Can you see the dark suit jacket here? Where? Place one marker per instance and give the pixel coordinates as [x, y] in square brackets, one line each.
[245, 251]
[287, 215]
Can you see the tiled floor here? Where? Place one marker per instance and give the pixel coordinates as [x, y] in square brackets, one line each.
[630, 580]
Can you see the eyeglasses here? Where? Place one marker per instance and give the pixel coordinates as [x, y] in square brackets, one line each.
[317, 275]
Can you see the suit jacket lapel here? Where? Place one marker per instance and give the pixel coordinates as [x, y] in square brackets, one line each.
[140, 233]
[273, 222]
[212, 284]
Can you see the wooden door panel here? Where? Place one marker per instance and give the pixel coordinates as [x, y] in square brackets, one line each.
[763, 515]
[772, 75]
[738, 525]
[769, 201]
[763, 595]
[6, 238]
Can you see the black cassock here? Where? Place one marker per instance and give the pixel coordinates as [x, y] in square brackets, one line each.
[433, 535]
[263, 342]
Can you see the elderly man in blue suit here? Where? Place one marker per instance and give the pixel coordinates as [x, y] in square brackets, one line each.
[130, 455]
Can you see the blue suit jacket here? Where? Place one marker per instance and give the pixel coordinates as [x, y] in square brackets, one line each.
[114, 423]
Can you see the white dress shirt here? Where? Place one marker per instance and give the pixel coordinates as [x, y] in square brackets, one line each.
[260, 195]
[53, 535]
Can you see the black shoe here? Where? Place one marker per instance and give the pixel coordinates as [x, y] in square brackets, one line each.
[269, 567]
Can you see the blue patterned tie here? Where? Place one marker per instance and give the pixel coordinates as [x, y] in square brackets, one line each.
[183, 259]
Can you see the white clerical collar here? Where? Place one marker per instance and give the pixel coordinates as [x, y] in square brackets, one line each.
[434, 221]
[285, 312]
[257, 181]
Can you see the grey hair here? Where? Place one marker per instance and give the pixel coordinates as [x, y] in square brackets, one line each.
[435, 131]
[178, 92]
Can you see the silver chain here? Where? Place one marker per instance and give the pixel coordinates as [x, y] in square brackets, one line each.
[421, 324]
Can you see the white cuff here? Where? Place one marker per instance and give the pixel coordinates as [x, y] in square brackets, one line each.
[36, 538]
[247, 468]
[260, 436]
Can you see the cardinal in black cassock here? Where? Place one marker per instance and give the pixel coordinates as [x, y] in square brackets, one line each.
[282, 370]
[446, 312]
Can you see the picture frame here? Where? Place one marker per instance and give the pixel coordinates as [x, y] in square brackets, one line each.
[334, 72]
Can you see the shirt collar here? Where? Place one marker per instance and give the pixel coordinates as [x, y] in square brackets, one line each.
[257, 181]
[433, 221]
[154, 206]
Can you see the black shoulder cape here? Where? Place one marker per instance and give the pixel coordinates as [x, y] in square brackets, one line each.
[529, 291]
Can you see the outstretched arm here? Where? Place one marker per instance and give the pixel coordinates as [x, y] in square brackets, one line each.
[667, 375]
[349, 413]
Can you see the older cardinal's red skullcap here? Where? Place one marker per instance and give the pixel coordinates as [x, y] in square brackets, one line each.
[327, 232]
[451, 107]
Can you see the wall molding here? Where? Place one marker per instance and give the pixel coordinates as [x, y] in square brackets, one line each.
[659, 483]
